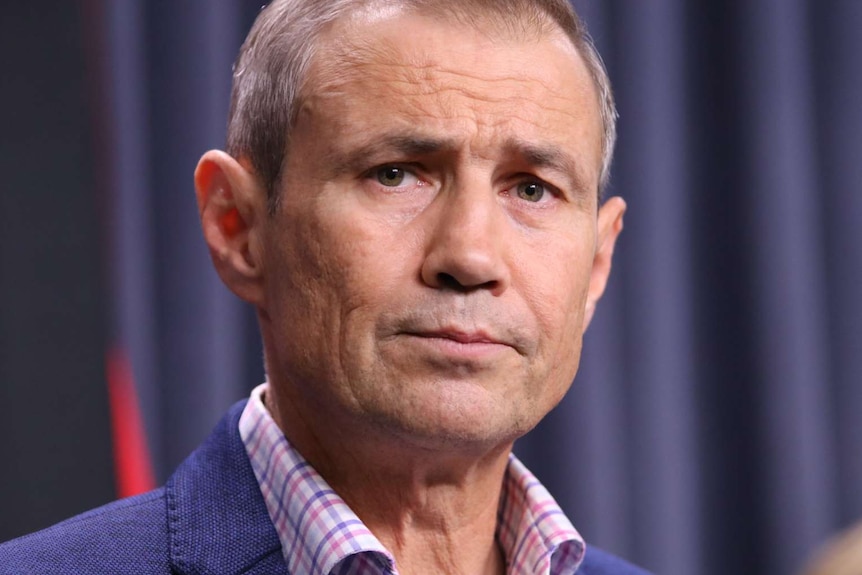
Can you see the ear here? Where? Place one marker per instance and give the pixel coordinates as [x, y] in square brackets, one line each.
[232, 205]
[610, 224]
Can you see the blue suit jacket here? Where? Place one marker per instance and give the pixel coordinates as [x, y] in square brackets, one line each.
[209, 518]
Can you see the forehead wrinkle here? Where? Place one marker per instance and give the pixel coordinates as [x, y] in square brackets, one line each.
[355, 54]
[448, 87]
[359, 57]
[430, 91]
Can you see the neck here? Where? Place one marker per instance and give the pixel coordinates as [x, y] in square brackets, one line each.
[432, 517]
[434, 510]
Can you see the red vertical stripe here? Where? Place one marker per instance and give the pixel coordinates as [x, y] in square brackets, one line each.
[132, 465]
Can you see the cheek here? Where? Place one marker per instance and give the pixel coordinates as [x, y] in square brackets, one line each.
[343, 274]
[368, 263]
[555, 279]
[556, 290]
[298, 289]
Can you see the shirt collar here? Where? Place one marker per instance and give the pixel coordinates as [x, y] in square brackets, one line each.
[319, 532]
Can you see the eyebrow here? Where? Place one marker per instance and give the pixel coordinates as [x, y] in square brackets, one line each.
[408, 146]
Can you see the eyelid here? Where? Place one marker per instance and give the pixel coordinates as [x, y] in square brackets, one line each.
[406, 166]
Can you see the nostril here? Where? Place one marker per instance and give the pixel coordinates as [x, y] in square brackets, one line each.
[450, 282]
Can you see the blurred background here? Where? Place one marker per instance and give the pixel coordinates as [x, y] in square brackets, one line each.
[716, 424]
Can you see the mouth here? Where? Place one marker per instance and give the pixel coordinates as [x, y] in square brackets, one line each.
[480, 334]
[458, 336]
[461, 344]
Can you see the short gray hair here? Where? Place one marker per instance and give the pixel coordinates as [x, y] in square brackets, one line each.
[272, 65]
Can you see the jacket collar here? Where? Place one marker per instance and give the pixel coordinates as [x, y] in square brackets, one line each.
[217, 519]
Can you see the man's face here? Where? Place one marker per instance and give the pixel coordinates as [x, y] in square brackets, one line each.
[427, 270]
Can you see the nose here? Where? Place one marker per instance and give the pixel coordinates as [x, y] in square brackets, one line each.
[466, 246]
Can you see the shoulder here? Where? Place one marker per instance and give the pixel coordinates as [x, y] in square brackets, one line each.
[127, 536]
[598, 562]
[209, 518]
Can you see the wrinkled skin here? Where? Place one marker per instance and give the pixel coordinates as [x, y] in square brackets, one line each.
[430, 269]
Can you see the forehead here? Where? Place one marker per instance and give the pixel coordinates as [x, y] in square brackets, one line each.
[485, 84]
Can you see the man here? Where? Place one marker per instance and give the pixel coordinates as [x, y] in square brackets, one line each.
[410, 201]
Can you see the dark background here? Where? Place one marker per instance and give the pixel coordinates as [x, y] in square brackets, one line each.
[55, 451]
[715, 424]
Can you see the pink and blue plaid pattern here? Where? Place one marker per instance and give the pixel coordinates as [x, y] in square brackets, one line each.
[320, 534]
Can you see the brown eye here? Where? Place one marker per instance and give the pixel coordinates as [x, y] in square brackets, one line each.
[390, 176]
[531, 191]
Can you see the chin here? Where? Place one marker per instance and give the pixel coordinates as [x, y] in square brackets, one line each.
[457, 429]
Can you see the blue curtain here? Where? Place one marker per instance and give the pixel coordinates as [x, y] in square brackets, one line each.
[715, 424]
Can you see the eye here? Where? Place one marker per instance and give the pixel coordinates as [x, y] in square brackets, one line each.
[531, 191]
[391, 176]
[394, 178]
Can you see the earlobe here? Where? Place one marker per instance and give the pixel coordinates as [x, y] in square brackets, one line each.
[229, 202]
[610, 224]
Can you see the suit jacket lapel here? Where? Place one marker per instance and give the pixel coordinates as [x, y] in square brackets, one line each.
[217, 519]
